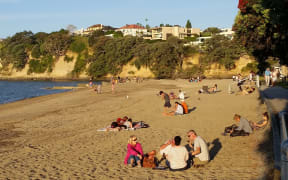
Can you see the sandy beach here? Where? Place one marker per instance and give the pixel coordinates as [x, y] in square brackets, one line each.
[56, 137]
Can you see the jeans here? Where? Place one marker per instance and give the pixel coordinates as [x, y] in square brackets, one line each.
[135, 158]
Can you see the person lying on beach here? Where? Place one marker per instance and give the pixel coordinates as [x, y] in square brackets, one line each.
[213, 89]
[197, 148]
[178, 110]
[134, 153]
[262, 123]
[244, 128]
[246, 90]
[121, 121]
[175, 154]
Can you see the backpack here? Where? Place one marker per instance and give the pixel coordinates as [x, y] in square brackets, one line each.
[185, 107]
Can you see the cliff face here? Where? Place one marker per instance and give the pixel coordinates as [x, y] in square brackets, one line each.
[63, 69]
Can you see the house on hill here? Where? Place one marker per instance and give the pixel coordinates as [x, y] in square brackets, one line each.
[164, 33]
[133, 30]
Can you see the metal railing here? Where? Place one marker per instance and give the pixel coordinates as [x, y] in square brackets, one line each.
[284, 144]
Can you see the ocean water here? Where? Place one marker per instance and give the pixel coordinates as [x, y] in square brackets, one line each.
[11, 91]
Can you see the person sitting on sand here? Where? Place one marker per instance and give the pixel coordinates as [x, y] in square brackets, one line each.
[244, 128]
[178, 110]
[246, 90]
[199, 149]
[262, 123]
[177, 155]
[128, 124]
[134, 152]
[166, 97]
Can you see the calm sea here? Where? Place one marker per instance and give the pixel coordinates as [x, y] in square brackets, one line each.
[11, 91]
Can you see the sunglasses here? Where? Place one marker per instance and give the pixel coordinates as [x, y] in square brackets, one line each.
[134, 139]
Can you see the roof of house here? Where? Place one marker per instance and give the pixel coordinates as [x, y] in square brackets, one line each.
[96, 25]
[132, 26]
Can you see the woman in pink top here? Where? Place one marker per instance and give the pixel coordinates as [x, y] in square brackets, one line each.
[134, 152]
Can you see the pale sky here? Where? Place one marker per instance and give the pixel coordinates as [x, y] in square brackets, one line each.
[52, 15]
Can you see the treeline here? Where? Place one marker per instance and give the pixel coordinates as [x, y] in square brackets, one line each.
[105, 55]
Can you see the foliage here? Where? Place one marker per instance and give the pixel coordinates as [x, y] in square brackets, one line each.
[79, 44]
[68, 59]
[251, 67]
[190, 50]
[36, 53]
[222, 50]
[80, 64]
[94, 36]
[14, 49]
[41, 66]
[263, 29]
[188, 24]
[212, 30]
[57, 43]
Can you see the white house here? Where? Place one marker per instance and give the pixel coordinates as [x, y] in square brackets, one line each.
[227, 32]
[133, 30]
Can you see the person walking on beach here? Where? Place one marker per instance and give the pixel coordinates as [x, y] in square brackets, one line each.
[99, 87]
[181, 95]
[134, 152]
[267, 75]
[166, 98]
[198, 148]
[113, 85]
[177, 155]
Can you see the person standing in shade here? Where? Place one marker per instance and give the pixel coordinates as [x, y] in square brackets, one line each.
[113, 85]
[181, 95]
[267, 76]
[198, 149]
[166, 98]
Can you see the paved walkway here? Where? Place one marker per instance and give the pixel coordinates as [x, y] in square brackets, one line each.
[276, 99]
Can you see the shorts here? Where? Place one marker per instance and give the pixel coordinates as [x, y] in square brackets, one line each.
[167, 104]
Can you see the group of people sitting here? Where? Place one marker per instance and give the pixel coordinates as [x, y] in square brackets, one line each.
[207, 90]
[197, 79]
[178, 109]
[125, 123]
[177, 157]
[245, 127]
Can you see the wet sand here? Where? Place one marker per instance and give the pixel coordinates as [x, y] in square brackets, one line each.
[55, 136]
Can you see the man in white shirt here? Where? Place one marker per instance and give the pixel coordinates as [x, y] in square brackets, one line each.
[177, 156]
[181, 95]
[199, 150]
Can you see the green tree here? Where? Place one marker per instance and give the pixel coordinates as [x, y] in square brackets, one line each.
[222, 50]
[262, 28]
[188, 24]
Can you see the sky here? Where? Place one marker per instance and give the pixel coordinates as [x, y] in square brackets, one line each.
[53, 15]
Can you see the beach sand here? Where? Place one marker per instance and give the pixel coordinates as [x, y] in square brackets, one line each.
[55, 136]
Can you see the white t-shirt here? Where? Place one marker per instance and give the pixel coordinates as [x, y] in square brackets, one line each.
[204, 154]
[179, 109]
[166, 150]
[177, 157]
[181, 96]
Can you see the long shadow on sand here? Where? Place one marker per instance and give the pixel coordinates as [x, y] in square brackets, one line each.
[217, 145]
[191, 110]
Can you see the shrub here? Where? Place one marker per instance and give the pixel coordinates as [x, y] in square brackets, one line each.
[36, 53]
[68, 59]
[78, 45]
[42, 65]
